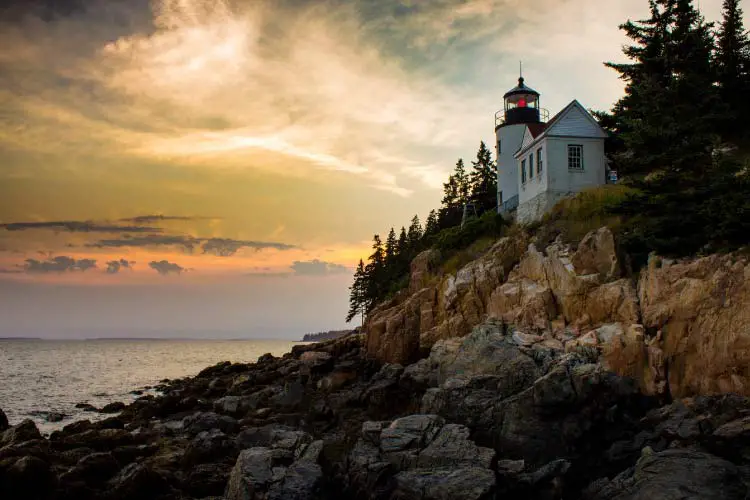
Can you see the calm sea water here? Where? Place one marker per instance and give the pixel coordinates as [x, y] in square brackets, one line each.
[41, 376]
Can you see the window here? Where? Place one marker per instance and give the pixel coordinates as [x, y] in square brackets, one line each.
[523, 171]
[531, 166]
[498, 146]
[575, 157]
[539, 163]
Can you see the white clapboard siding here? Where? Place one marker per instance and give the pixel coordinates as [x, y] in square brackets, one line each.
[575, 122]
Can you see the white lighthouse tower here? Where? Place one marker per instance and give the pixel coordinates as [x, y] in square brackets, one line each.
[521, 110]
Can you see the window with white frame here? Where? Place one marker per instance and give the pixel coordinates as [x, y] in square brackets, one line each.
[523, 171]
[539, 162]
[575, 157]
[531, 166]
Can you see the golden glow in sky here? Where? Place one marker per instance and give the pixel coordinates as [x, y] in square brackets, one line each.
[252, 148]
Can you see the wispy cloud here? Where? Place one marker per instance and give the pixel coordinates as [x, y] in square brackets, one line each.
[150, 219]
[58, 264]
[222, 247]
[114, 266]
[79, 227]
[164, 267]
[317, 267]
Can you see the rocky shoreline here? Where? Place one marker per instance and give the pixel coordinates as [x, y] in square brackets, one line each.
[527, 374]
[484, 416]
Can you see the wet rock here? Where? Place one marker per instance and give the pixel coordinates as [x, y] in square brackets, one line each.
[412, 432]
[209, 446]
[205, 480]
[53, 417]
[25, 431]
[138, 481]
[27, 478]
[680, 474]
[252, 473]
[3, 421]
[453, 448]
[472, 483]
[114, 407]
[275, 437]
[205, 421]
[87, 407]
[300, 482]
[92, 469]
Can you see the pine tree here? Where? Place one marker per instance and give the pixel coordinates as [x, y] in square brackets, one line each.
[484, 178]
[374, 274]
[463, 183]
[403, 243]
[415, 234]
[669, 114]
[391, 247]
[357, 303]
[431, 225]
[450, 193]
[733, 68]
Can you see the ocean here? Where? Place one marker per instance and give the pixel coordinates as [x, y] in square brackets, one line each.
[39, 377]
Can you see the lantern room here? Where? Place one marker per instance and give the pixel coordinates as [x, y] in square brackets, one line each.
[521, 105]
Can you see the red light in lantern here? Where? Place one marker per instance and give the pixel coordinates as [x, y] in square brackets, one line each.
[522, 103]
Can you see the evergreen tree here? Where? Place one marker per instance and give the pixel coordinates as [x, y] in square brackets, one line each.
[450, 193]
[391, 247]
[733, 68]
[415, 234]
[668, 116]
[357, 304]
[403, 243]
[463, 183]
[431, 225]
[374, 274]
[484, 179]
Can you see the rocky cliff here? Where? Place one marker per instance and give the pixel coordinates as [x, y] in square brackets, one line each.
[679, 329]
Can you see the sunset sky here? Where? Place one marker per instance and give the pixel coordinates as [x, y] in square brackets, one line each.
[216, 169]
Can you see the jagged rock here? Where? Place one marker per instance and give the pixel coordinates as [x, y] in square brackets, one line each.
[27, 478]
[137, 481]
[115, 407]
[701, 305]
[3, 421]
[208, 446]
[423, 267]
[300, 482]
[472, 483]
[275, 437]
[205, 480]
[596, 254]
[205, 421]
[412, 432]
[25, 431]
[93, 469]
[453, 448]
[252, 474]
[448, 307]
[678, 474]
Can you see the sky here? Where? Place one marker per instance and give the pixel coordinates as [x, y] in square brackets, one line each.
[215, 169]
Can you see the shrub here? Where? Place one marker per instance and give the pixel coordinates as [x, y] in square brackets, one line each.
[577, 215]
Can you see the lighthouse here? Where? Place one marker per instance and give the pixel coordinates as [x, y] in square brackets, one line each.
[521, 111]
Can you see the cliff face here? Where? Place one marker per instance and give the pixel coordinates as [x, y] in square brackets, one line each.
[681, 328]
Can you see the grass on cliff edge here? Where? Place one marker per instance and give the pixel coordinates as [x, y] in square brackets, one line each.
[573, 217]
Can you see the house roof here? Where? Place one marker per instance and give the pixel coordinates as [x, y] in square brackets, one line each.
[536, 129]
[540, 130]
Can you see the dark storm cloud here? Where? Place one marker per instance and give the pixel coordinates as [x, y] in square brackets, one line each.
[5, 270]
[114, 266]
[317, 268]
[58, 264]
[164, 267]
[222, 247]
[72, 226]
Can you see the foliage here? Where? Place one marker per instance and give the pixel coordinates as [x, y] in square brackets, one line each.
[571, 218]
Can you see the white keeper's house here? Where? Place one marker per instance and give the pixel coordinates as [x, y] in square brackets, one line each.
[541, 160]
